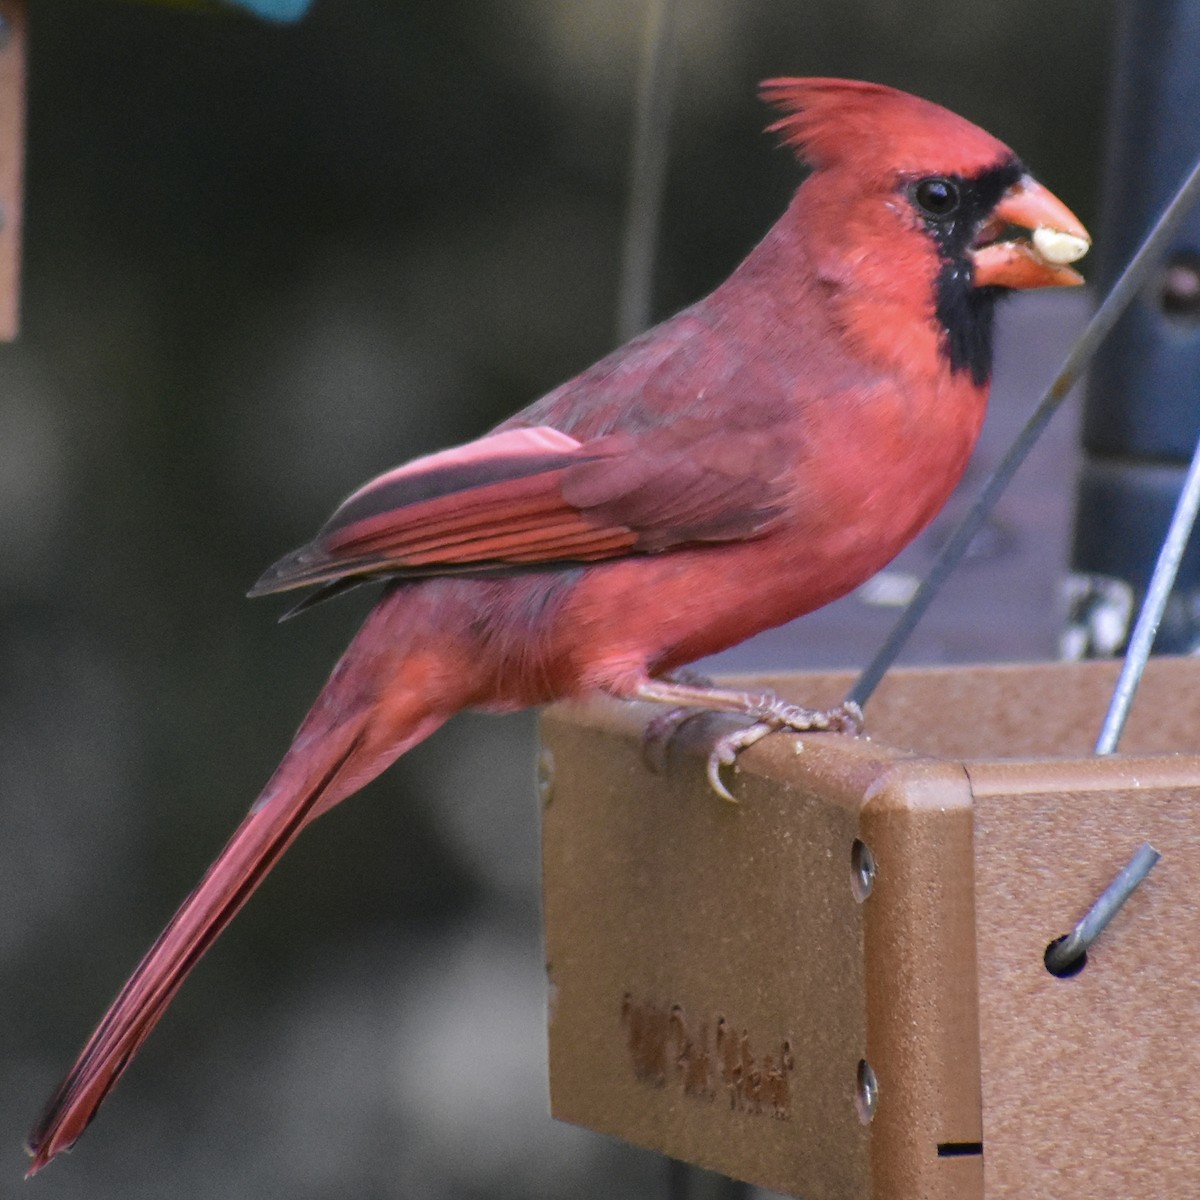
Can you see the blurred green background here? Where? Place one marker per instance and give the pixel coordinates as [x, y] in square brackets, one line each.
[263, 263]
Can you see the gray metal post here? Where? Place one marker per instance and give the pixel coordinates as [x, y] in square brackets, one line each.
[1142, 414]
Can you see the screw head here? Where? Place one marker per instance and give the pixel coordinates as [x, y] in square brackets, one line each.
[862, 870]
[866, 1092]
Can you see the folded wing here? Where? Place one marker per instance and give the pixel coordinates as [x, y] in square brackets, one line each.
[532, 496]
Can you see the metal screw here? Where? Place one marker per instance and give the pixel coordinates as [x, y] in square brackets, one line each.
[545, 775]
[866, 1095]
[862, 870]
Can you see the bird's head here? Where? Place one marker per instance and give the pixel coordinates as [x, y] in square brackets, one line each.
[914, 205]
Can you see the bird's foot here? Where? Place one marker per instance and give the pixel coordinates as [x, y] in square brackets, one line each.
[767, 711]
[773, 714]
[846, 717]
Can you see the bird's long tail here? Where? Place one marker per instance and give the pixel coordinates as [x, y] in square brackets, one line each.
[346, 740]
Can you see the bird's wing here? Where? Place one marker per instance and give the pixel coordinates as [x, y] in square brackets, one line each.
[529, 496]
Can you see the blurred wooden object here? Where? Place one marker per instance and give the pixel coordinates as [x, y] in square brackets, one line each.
[13, 37]
[738, 987]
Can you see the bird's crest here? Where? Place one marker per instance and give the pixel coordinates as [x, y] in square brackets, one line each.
[834, 122]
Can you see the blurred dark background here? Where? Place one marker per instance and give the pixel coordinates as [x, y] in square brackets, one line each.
[263, 263]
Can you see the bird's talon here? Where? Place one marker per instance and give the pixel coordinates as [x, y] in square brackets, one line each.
[846, 718]
[850, 717]
[726, 750]
[714, 778]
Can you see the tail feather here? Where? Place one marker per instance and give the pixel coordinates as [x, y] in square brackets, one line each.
[249, 855]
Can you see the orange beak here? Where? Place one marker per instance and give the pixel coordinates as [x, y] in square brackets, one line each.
[1055, 237]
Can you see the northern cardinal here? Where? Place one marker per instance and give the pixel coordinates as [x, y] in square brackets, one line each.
[752, 458]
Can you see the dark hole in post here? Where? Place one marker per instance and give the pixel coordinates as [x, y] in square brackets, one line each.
[1063, 970]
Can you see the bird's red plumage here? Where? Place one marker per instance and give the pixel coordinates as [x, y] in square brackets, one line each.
[752, 458]
[874, 131]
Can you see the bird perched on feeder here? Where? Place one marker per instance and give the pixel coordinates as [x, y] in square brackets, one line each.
[752, 458]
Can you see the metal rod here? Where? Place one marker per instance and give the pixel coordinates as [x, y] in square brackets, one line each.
[1166, 567]
[1106, 316]
[1064, 955]
[647, 170]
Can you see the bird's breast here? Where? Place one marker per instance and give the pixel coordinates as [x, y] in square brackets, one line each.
[864, 479]
[874, 474]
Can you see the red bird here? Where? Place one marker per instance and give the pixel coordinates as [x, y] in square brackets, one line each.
[756, 456]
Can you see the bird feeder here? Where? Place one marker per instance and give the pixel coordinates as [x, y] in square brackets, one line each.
[837, 987]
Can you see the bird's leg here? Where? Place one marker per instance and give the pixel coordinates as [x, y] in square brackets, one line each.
[660, 730]
[766, 709]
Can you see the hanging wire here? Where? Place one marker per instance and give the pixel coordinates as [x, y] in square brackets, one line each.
[1131, 281]
[1066, 955]
[647, 169]
[1166, 567]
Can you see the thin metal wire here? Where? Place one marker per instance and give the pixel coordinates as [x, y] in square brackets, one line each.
[1063, 957]
[647, 169]
[1166, 567]
[1106, 316]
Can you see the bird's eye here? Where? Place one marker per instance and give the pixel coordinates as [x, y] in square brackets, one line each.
[938, 197]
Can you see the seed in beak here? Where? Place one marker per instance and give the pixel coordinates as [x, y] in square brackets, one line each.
[1058, 247]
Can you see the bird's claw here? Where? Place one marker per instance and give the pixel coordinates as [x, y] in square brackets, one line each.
[726, 749]
[773, 714]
